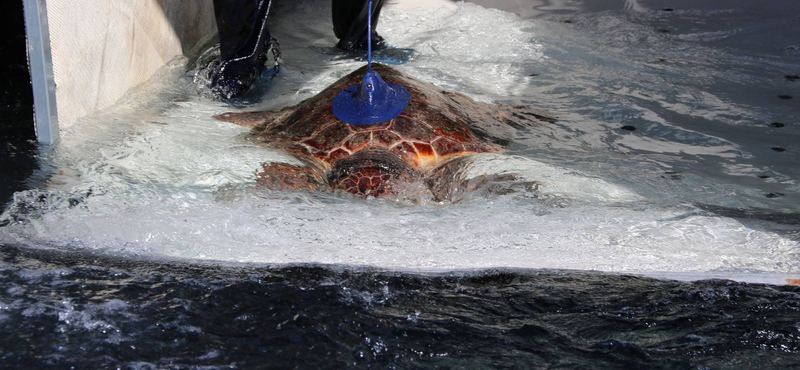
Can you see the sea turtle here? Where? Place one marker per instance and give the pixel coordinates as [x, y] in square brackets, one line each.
[427, 144]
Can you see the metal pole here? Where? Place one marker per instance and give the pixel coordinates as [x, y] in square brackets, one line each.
[40, 63]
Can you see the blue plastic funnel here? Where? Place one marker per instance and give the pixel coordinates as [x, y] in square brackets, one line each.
[373, 101]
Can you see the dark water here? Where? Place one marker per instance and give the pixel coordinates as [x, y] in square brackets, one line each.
[59, 310]
[66, 310]
[17, 137]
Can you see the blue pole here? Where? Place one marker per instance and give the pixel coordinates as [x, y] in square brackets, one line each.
[369, 38]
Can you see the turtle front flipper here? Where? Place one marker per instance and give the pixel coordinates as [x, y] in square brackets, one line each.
[282, 176]
[255, 120]
[450, 182]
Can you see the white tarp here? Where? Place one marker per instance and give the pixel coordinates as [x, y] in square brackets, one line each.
[102, 48]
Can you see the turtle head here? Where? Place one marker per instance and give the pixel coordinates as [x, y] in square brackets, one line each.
[370, 172]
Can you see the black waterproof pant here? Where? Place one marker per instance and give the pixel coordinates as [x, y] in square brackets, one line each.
[242, 28]
[350, 24]
[244, 38]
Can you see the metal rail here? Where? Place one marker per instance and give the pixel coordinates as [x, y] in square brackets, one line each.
[40, 64]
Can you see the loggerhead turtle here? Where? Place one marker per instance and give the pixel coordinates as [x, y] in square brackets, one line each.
[428, 143]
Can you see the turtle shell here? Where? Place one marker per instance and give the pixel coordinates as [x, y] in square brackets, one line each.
[436, 125]
[373, 160]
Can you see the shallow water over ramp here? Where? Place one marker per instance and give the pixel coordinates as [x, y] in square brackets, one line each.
[690, 186]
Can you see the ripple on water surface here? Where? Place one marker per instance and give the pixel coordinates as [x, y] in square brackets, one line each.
[62, 308]
[683, 192]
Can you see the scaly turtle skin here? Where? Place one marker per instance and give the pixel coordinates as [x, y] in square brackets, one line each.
[426, 143]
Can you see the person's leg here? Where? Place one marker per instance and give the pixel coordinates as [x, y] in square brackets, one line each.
[350, 24]
[244, 43]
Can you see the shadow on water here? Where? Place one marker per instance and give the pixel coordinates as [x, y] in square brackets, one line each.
[17, 135]
[534, 8]
[782, 223]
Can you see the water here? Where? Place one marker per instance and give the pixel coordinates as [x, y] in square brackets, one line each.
[142, 242]
[157, 175]
[64, 310]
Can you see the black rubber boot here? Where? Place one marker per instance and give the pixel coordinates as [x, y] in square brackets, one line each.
[244, 43]
[350, 24]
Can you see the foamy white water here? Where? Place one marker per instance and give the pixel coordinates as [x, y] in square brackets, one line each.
[157, 176]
